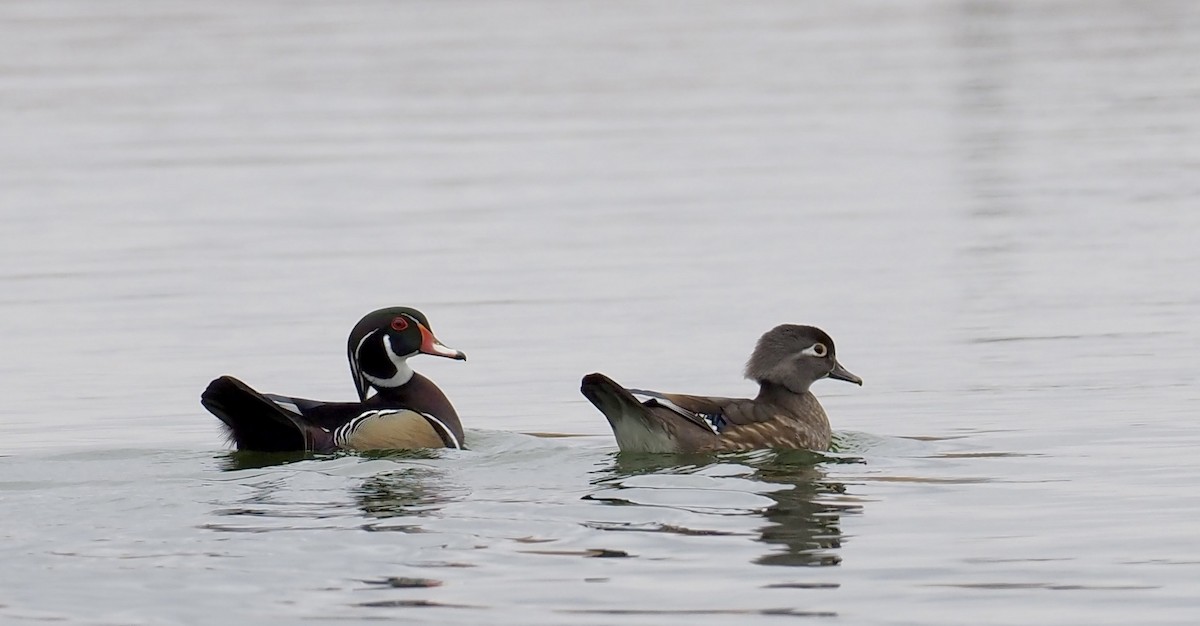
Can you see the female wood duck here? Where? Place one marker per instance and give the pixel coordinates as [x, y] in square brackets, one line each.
[408, 410]
[784, 415]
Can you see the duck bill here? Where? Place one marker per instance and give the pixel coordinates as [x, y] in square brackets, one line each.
[431, 345]
[842, 373]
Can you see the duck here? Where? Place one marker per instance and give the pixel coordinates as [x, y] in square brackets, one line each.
[406, 410]
[785, 414]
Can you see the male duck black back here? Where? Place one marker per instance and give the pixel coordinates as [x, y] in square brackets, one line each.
[784, 415]
[407, 411]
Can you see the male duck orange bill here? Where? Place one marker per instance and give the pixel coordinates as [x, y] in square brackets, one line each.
[407, 411]
[784, 415]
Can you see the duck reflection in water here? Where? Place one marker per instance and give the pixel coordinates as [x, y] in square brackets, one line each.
[243, 460]
[407, 491]
[804, 520]
[412, 491]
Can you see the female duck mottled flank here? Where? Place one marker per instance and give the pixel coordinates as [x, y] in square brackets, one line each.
[785, 414]
[407, 411]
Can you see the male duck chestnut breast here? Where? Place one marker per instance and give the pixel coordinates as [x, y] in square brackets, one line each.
[784, 415]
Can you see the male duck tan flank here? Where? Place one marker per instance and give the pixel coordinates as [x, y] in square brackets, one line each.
[407, 411]
[784, 415]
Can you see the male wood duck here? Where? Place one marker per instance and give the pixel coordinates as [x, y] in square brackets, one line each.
[784, 415]
[407, 411]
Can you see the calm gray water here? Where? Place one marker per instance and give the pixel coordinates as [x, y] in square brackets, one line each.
[991, 206]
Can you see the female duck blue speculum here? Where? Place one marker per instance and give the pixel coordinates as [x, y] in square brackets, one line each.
[407, 410]
[784, 415]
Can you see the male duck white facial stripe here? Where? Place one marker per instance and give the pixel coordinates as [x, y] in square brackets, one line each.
[361, 342]
[403, 374]
[355, 370]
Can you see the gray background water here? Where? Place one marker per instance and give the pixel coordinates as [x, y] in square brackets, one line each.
[989, 205]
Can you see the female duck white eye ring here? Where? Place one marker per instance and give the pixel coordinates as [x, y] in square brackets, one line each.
[817, 350]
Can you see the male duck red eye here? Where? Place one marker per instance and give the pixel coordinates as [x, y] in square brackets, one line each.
[399, 324]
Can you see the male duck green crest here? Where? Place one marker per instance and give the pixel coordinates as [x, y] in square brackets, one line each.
[407, 410]
[784, 415]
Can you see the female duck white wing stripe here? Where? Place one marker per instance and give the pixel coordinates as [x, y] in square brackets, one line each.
[714, 421]
[653, 398]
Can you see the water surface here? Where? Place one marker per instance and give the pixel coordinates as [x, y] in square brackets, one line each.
[989, 206]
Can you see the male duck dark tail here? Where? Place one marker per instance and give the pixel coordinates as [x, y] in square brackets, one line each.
[253, 422]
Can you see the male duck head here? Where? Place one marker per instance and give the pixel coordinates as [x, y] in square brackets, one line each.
[795, 357]
[382, 342]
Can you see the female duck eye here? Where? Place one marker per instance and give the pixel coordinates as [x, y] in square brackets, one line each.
[819, 349]
[399, 324]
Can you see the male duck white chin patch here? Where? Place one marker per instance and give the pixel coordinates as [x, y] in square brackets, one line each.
[404, 372]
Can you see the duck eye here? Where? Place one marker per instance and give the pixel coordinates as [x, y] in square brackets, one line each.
[818, 349]
[399, 324]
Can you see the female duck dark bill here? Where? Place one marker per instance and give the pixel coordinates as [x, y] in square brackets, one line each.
[407, 410]
[785, 415]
